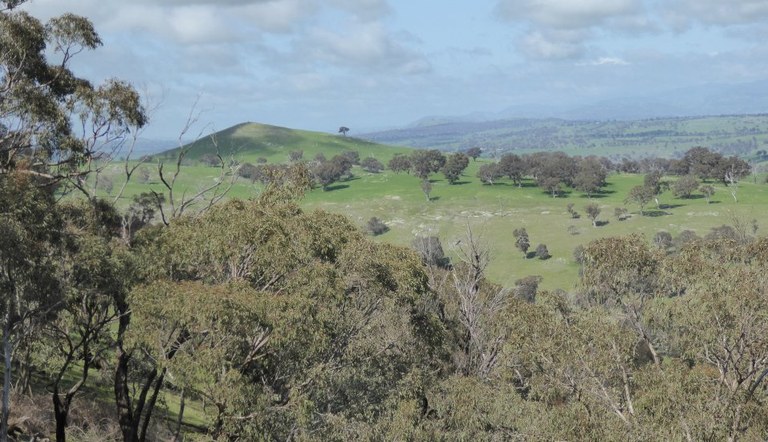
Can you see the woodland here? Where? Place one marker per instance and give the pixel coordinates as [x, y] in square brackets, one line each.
[256, 319]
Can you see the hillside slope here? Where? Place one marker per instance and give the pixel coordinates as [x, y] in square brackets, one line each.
[249, 141]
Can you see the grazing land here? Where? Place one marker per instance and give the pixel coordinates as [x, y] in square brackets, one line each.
[493, 211]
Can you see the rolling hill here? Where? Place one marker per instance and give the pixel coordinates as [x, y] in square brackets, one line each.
[250, 141]
[665, 137]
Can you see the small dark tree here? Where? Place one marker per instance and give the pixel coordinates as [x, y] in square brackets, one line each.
[488, 173]
[296, 155]
[376, 226]
[685, 186]
[550, 184]
[425, 162]
[542, 252]
[210, 160]
[662, 240]
[707, 191]
[431, 251]
[248, 171]
[590, 177]
[353, 156]
[640, 195]
[474, 153]
[578, 254]
[593, 211]
[454, 167]
[426, 187]
[514, 167]
[574, 214]
[620, 213]
[372, 165]
[527, 287]
[343, 130]
[399, 163]
[521, 240]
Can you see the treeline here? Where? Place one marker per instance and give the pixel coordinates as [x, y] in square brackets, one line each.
[553, 172]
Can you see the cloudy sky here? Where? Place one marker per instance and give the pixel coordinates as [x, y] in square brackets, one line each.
[371, 64]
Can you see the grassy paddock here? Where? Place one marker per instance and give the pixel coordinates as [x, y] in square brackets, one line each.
[495, 211]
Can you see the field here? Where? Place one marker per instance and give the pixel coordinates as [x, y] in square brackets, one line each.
[492, 212]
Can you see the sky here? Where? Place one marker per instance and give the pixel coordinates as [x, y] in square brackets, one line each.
[377, 64]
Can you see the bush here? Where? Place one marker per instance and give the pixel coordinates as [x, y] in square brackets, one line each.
[376, 226]
[542, 252]
[527, 287]
[431, 251]
[372, 165]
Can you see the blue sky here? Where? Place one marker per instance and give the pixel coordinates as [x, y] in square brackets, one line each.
[371, 64]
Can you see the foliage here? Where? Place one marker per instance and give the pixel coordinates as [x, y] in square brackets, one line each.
[376, 226]
[521, 240]
[542, 252]
[454, 166]
[372, 165]
[593, 211]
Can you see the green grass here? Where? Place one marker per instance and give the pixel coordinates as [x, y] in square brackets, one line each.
[493, 212]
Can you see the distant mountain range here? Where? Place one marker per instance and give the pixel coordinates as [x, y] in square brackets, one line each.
[725, 117]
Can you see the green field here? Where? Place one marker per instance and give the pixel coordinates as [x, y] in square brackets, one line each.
[492, 212]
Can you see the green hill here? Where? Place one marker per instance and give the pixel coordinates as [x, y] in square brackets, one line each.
[250, 141]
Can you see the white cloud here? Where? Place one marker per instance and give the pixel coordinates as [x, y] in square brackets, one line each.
[554, 45]
[682, 13]
[567, 14]
[611, 61]
[364, 45]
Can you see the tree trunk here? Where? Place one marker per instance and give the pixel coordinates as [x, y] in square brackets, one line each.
[60, 412]
[6, 375]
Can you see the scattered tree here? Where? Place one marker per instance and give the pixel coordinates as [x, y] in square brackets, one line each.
[488, 173]
[574, 214]
[426, 162]
[593, 211]
[640, 195]
[521, 240]
[542, 252]
[376, 226]
[426, 187]
[343, 130]
[707, 191]
[685, 186]
[454, 167]
[372, 165]
[474, 153]
[399, 163]
[296, 155]
[527, 287]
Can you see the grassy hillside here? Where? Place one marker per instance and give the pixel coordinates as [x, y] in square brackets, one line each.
[493, 212]
[249, 141]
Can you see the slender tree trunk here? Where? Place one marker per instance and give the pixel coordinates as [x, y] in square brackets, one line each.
[60, 412]
[6, 375]
[180, 418]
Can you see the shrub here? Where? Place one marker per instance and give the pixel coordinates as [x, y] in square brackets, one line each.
[376, 226]
[542, 252]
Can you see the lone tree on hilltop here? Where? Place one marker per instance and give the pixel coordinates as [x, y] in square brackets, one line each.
[343, 130]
